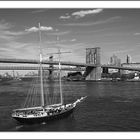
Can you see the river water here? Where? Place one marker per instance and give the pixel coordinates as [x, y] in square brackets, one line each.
[109, 106]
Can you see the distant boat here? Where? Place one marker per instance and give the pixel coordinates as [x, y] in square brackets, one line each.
[43, 113]
[136, 78]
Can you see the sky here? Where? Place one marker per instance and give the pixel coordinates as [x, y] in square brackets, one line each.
[115, 31]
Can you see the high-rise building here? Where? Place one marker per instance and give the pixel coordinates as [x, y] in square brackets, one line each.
[128, 59]
[114, 60]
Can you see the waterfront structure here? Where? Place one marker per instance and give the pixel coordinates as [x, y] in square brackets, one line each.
[130, 65]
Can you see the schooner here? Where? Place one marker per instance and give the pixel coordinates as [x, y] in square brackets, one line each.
[43, 112]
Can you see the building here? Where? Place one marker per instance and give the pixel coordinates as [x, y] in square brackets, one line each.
[128, 59]
[115, 61]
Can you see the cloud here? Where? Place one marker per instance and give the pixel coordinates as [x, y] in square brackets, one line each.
[6, 32]
[42, 28]
[5, 25]
[136, 33]
[12, 49]
[122, 51]
[10, 35]
[6, 37]
[16, 45]
[59, 33]
[73, 40]
[16, 49]
[109, 20]
[39, 11]
[83, 13]
[64, 17]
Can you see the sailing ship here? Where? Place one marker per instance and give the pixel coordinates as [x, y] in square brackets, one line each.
[43, 113]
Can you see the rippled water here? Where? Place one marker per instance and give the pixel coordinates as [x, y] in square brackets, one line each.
[110, 106]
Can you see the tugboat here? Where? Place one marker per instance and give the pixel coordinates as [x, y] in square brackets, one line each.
[43, 113]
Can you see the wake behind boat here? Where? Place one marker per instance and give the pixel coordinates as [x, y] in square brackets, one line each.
[42, 113]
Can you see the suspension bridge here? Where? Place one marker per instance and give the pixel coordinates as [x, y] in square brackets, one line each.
[92, 67]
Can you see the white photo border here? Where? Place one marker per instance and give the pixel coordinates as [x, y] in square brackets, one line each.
[69, 4]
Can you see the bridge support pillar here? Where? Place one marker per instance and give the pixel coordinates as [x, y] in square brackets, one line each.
[93, 57]
[95, 74]
[105, 70]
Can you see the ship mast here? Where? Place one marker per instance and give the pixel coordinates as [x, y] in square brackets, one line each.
[60, 83]
[41, 73]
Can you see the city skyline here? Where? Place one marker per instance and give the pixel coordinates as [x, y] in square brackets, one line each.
[115, 31]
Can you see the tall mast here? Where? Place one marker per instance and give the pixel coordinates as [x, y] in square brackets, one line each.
[41, 73]
[60, 83]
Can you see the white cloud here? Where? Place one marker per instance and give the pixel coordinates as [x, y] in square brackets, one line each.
[38, 11]
[11, 47]
[73, 40]
[136, 33]
[82, 13]
[64, 17]
[32, 29]
[42, 28]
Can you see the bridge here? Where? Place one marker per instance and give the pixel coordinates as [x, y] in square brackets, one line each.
[37, 68]
[48, 62]
[92, 67]
[79, 66]
[120, 68]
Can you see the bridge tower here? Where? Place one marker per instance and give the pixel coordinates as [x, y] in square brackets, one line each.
[93, 56]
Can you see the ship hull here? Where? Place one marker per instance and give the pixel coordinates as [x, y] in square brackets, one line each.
[45, 118]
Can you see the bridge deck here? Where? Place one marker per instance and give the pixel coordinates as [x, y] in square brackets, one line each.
[36, 68]
[25, 61]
